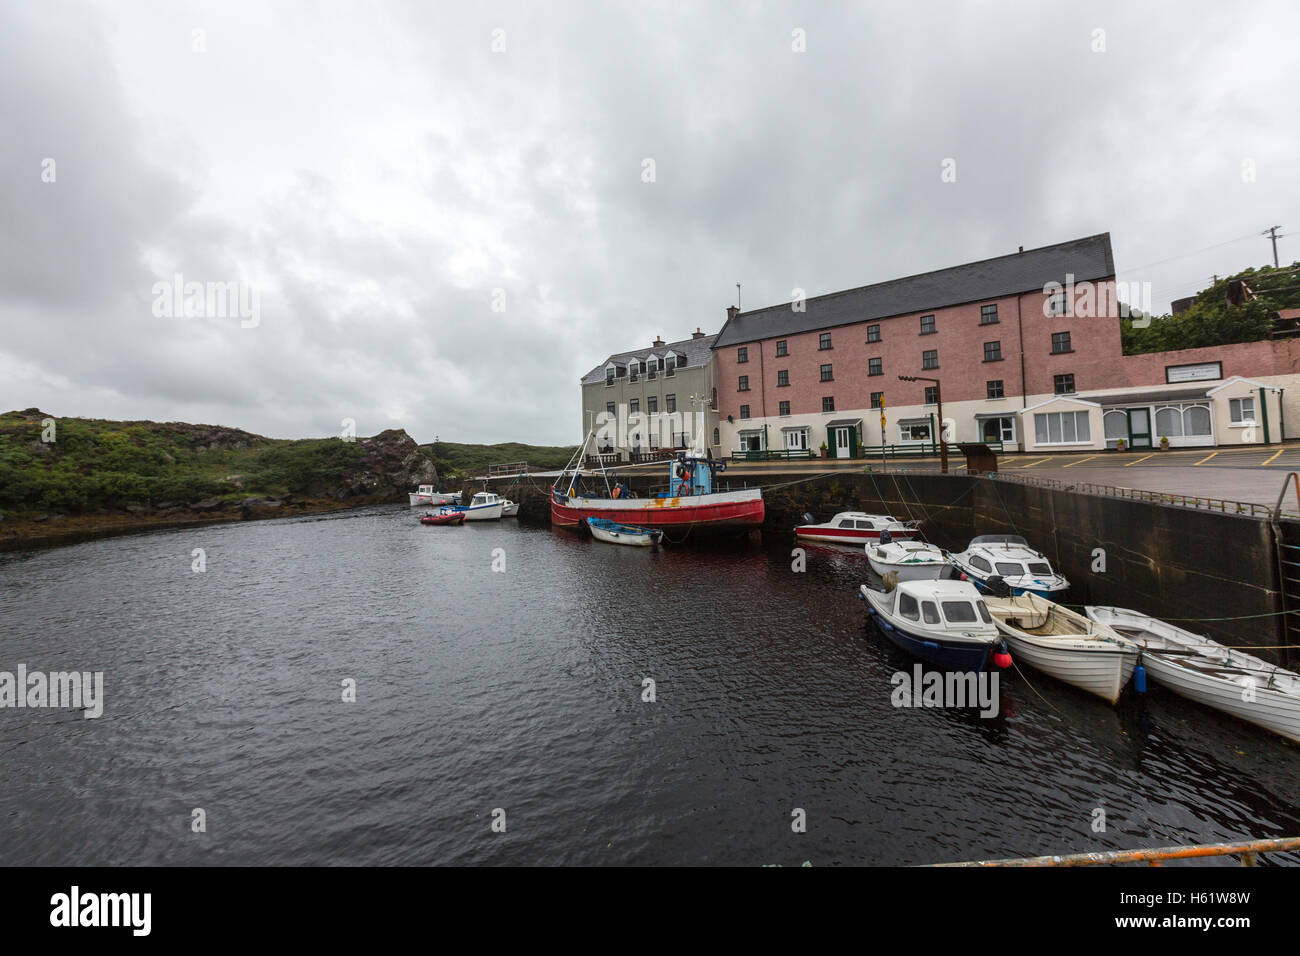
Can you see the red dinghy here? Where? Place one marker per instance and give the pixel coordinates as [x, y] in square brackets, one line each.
[444, 517]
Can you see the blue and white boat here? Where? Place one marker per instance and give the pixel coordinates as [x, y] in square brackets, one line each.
[1005, 564]
[484, 506]
[944, 623]
[602, 529]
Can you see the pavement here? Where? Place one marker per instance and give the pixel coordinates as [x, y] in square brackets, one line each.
[1255, 474]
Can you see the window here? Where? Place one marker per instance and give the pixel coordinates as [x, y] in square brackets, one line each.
[826, 374]
[1009, 569]
[1196, 420]
[742, 355]
[609, 409]
[670, 365]
[1241, 411]
[930, 358]
[873, 333]
[783, 378]
[781, 349]
[1114, 426]
[929, 612]
[717, 437]
[994, 388]
[993, 351]
[1039, 567]
[998, 429]
[670, 402]
[1061, 343]
[1064, 384]
[1058, 304]
[824, 341]
[931, 394]
[959, 612]
[908, 608]
[1061, 428]
[652, 404]
[828, 403]
[877, 399]
[914, 431]
[744, 384]
[927, 325]
[634, 406]
[783, 408]
[744, 411]
[650, 365]
[988, 314]
[609, 375]
[978, 562]
[875, 367]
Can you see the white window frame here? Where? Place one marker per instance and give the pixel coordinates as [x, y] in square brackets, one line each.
[1236, 412]
[1047, 416]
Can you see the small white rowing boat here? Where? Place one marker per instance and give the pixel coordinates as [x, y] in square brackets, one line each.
[509, 509]
[1064, 644]
[1205, 671]
[910, 560]
[612, 532]
[426, 497]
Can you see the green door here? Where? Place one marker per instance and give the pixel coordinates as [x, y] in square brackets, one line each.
[1139, 427]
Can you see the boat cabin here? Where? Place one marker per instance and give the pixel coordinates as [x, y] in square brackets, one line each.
[692, 476]
[483, 498]
[949, 605]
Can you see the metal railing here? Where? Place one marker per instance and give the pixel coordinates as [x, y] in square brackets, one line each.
[1223, 505]
[1248, 851]
[508, 468]
[773, 454]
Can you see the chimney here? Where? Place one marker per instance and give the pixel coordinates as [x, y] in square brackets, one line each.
[697, 334]
[732, 312]
[1022, 248]
[658, 342]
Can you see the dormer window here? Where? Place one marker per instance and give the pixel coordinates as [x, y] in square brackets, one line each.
[610, 373]
[670, 364]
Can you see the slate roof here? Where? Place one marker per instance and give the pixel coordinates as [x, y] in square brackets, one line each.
[698, 352]
[1089, 259]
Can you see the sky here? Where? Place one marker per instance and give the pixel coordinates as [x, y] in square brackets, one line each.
[438, 216]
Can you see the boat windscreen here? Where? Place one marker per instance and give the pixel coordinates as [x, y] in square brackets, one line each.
[959, 612]
[1009, 568]
[999, 539]
[1040, 567]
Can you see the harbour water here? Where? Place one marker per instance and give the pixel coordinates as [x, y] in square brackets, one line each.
[521, 689]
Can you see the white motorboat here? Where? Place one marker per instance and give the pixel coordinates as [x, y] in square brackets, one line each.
[1064, 644]
[855, 527]
[426, 497]
[910, 560]
[993, 560]
[484, 506]
[509, 509]
[942, 622]
[1205, 671]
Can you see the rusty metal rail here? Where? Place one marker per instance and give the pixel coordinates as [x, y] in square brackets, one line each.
[1222, 505]
[1249, 851]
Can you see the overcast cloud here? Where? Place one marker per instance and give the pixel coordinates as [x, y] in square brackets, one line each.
[376, 171]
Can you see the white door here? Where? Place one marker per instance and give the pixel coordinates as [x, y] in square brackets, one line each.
[841, 443]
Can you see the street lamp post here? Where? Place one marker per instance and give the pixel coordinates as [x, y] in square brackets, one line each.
[938, 400]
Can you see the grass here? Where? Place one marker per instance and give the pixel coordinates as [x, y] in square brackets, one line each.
[468, 460]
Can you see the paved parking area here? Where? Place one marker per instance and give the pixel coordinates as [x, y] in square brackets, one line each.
[1254, 474]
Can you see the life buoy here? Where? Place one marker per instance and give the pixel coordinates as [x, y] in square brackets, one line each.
[572, 493]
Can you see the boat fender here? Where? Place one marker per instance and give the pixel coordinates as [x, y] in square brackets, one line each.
[1002, 658]
[1140, 678]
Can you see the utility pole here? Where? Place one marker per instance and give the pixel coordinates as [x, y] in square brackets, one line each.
[1271, 232]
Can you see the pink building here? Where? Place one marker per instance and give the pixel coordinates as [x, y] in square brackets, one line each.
[1026, 348]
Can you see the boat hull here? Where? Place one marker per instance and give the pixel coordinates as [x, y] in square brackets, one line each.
[929, 571]
[431, 501]
[631, 539]
[480, 512]
[1271, 710]
[451, 519]
[1103, 671]
[848, 535]
[723, 510]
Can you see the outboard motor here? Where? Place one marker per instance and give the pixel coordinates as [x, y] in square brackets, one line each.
[998, 587]
[886, 537]
[808, 518]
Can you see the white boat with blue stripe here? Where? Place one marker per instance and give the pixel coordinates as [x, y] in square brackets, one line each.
[944, 623]
[1005, 563]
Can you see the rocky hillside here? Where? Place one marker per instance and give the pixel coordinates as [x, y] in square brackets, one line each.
[61, 468]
